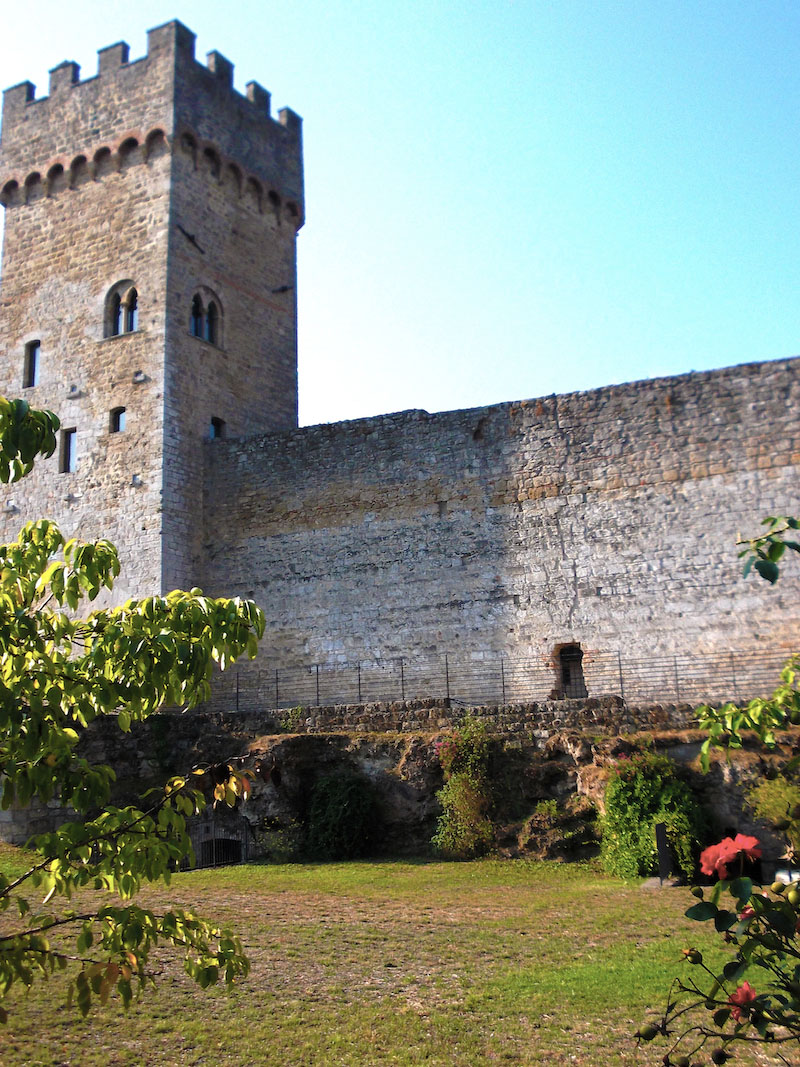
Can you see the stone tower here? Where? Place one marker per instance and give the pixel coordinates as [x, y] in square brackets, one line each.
[148, 290]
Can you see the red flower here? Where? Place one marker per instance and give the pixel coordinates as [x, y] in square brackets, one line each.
[747, 846]
[715, 858]
[747, 913]
[741, 1000]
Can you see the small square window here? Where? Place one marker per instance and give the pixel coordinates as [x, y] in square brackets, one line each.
[116, 423]
[69, 455]
[30, 373]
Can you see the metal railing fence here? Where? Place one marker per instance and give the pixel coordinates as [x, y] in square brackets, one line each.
[486, 678]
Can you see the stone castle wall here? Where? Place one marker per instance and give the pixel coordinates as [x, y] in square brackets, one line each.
[157, 174]
[607, 518]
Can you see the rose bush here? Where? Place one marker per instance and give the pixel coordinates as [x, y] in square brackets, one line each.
[760, 927]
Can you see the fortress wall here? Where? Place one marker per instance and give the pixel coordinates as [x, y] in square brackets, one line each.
[606, 517]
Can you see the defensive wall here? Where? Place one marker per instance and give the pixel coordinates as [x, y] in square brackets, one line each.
[607, 518]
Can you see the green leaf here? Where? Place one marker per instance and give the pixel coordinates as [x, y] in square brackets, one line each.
[767, 569]
[702, 911]
[742, 889]
[724, 920]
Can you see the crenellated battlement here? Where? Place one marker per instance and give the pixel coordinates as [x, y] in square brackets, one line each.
[167, 89]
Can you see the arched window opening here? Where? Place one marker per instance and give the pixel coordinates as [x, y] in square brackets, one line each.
[30, 372]
[116, 423]
[216, 428]
[205, 317]
[196, 318]
[122, 310]
[212, 318]
[131, 311]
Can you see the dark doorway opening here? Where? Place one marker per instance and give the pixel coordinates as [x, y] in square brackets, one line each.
[569, 666]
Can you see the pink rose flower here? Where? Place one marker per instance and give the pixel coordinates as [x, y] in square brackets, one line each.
[741, 1000]
[716, 858]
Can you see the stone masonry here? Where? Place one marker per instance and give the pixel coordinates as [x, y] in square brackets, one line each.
[604, 519]
[154, 175]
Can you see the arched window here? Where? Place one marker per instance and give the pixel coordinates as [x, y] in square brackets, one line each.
[122, 310]
[205, 317]
[196, 318]
[131, 311]
[216, 428]
[116, 422]
[212, 317]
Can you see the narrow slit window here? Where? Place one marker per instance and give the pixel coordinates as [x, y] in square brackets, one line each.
[217, 428]
[30, 374]
[69, 455]
[117, 420]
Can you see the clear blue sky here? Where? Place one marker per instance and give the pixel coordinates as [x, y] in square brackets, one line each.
[508, 198]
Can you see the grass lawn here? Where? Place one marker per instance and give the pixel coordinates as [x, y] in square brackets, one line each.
[392, 963]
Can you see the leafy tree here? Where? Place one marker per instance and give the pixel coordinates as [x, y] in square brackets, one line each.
[59, 672]
[754, 998]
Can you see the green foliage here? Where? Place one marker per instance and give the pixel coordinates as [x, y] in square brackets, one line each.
[59, 672]
[547, 809]
[464, 828]
[343, 817]
[766, 551]
[279, 841]
[759, 927]
[642, 791]
[25, 433]
[763, 716]
[774, 800]
[289, 720]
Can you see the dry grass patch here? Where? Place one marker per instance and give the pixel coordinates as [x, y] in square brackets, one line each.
[392, 963]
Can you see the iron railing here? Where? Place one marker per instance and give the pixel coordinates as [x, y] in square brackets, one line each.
[487, 678]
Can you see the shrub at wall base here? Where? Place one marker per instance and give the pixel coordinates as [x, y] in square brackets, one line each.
[644, 790]
[465, 828]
